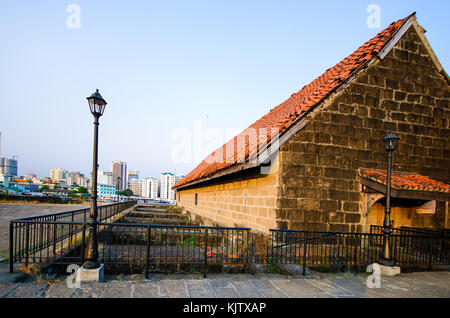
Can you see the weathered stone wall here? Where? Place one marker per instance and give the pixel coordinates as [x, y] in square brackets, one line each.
[251, 202]
[403, 94]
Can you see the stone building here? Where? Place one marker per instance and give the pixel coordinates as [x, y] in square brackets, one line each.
[316, 161]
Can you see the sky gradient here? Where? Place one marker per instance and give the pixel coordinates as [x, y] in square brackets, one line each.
[163, 65]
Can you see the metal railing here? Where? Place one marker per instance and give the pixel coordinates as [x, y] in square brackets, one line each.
[405, 230]
[125, 247]
[355, 250]
[34, 237]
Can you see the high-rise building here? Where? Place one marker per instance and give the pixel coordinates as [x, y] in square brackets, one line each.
[58, 174]
[119, 170]
[132, 174]
[105, 177]
[8, 166]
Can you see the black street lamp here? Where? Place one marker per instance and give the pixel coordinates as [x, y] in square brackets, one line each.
[97, 105]
[390, 143]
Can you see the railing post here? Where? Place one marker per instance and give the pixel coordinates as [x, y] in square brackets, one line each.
[147, 258]
[430, 259]
[304, 254]
[83, 240]
[11, 247]
[206, 253]
[27, 242]
[355, 258]
[54, 234]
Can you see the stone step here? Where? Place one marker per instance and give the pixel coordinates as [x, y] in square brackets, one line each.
[167, 215]
[138, 220]
[140, 209]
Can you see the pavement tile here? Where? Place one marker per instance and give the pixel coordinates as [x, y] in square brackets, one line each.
[200, 289]
[146, 290]
[227, 292]
[273, 293]
[121, 289]
[294, 289]
[262, 283]
[353, 284]
[173, 288]
[246, 289]
[30, 290]
[59, 290]
[6, 288]
[330, 288]
[219, 282]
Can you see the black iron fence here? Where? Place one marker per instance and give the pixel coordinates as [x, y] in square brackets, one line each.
[405, 230]
[133, 247]
[62, 238]
[47, 236]
[355, 250]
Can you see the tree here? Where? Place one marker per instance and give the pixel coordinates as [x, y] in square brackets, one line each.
[73, 193]
[126, 192]
[44, 188]
[82, 190]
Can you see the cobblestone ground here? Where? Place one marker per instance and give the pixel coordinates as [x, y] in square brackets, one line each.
[423, 284]
[10, 211]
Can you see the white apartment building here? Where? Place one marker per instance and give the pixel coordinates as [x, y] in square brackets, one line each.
[105, 177]
[150, 188]
[166, 181]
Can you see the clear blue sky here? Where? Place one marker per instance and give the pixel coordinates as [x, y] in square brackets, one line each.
[162, 65]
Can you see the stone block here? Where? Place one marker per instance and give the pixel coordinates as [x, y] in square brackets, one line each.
[90, 275]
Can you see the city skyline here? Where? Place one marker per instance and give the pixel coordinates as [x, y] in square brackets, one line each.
[164, 66]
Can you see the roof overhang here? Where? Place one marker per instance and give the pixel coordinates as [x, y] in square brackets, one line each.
[406, 194]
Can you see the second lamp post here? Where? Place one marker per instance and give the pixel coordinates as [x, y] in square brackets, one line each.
[390, 143]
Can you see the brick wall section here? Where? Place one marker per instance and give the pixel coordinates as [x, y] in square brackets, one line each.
[252, 202]
[403, 94]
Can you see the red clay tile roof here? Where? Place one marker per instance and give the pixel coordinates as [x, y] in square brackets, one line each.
[407, 181]
[282, 116]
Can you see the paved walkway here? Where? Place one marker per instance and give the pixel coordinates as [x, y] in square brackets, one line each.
[11, 211]
[423, 284]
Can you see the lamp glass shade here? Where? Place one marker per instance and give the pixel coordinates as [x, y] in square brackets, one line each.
[96, 103]
[390, 142]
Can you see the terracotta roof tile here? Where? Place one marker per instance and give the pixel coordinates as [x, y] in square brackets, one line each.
[407, 181]
[282, 116]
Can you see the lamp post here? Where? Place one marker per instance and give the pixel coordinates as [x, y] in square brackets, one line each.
[390, 143]
[97, 105]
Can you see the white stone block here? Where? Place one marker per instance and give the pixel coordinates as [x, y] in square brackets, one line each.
[90, 275]
[383, 269]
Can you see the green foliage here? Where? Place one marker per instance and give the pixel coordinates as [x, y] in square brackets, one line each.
[73, 193]
[44, 188]
[189, 242]
[82, 190]
[126, 192]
